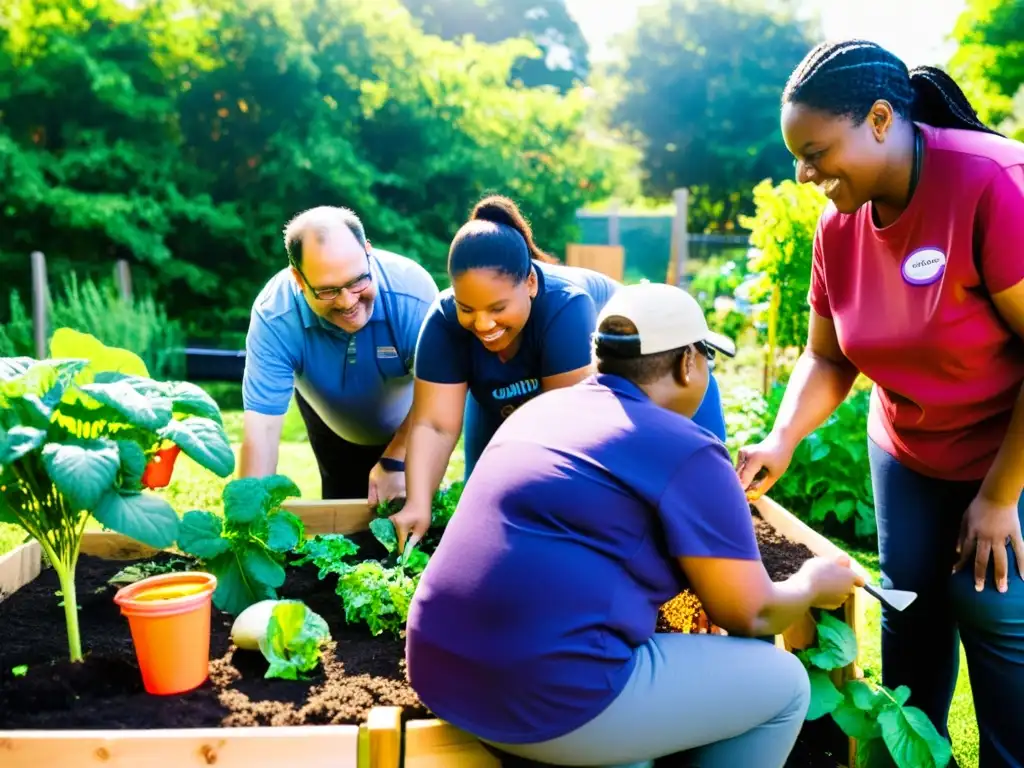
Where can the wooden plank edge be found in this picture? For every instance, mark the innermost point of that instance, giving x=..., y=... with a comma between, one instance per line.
x=433, y=743
x=331, y=515
x=384, y=727
x=312, y=746
x=19, y=567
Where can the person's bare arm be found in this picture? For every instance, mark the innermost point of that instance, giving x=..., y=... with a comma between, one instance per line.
x=821, y=380
x=739, y=596
x=260, y=443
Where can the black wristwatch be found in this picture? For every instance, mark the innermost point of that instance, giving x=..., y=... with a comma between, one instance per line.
x=391, y=465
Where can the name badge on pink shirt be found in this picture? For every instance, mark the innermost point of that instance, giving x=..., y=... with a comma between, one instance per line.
x=924, y=266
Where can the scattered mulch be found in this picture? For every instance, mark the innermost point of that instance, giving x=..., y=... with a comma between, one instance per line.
x=358, y=672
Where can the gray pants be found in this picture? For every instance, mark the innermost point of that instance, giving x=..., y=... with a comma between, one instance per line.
x=726, y=701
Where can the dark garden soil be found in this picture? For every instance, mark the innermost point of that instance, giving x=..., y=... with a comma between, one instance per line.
x=358, y=672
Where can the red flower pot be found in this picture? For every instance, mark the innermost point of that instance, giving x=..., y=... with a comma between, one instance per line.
x=159, y=469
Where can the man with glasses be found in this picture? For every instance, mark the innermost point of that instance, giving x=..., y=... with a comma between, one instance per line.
x=337, y=328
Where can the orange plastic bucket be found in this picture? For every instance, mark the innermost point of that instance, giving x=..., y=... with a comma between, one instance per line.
x=169, y=617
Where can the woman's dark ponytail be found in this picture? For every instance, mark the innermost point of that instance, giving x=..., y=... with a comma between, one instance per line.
x=498, y=209
x=940, y=102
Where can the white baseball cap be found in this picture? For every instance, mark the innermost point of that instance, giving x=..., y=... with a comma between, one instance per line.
x=665, y=317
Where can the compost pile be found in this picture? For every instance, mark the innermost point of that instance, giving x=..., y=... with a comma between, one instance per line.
x=782, y=558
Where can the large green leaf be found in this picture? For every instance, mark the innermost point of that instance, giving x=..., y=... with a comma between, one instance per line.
x=148, y=412
x=133, y=464
x=83, y=471
x=825, y=697
x=191, y=400
x=854, y=722
x=142, y=516
x=67, y=342
x=912, y=740
x=19, y=442
x=279, y=488
x=200, y=535
x=261, y=566
x=203, y=441
x=837, y=644
x=245, y=500
x=12, y=367
x=284, y=531
x=235, y=590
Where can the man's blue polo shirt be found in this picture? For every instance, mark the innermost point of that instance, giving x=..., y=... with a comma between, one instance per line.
x=360, y=384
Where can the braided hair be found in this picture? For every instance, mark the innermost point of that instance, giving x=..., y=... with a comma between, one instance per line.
x=846, y=78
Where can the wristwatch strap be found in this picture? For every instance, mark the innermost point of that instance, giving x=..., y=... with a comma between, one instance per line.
x=392, y=465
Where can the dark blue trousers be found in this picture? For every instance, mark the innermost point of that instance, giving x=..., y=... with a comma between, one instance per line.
x=918, y=524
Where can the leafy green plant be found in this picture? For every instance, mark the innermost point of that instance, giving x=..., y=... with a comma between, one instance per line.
x=782, y=233
x=245, y=549
x=76, y=431
x=378, y=592
x=294, y=641
x=888, y=732
x=828, y=483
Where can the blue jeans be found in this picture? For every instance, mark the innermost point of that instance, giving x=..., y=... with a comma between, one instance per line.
x=478, y=426
x=918, y=524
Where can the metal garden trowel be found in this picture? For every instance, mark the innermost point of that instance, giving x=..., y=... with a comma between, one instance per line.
x=897, y=599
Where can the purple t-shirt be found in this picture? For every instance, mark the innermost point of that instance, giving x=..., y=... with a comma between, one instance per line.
x=561, y=551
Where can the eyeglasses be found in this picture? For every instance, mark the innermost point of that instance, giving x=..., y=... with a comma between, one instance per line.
x=356, y=285
x=709, y=352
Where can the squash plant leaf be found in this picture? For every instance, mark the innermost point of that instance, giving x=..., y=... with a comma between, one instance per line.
x=203, y=441
x=912, y=740
x=837, y=644
x=137, y=409
x=142, y=516
x=245, y=550
x=133, y=464
x=284, y=531
x=865, y=696
x=187, y=399
x=245, y=500
x=235, y=590
x=854, y=722
x=825, y=697
x=83, y=471
x=200, y=535
x=18, y=442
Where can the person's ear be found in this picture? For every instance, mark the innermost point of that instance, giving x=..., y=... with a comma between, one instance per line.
x=531, y=283
x=298, y=278
x=880, y=118
x=686, y=366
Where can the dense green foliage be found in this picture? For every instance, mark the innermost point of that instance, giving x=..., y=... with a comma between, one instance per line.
x=782, y=230
x=888, y=732
x=183, y=141
x=989, y=62
x=702, y=80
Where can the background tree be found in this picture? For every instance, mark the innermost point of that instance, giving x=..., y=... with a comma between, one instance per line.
x=989, y=61
x=703, y=80
x=563, y=60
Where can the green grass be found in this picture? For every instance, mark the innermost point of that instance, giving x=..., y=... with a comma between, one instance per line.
x=195, y=488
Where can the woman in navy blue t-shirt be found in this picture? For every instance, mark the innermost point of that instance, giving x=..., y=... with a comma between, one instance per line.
x=514, y=323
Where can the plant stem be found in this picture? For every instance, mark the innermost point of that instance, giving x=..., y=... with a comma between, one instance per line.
x=66, y=576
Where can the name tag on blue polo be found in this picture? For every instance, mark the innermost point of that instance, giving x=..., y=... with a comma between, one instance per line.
x=387, y=353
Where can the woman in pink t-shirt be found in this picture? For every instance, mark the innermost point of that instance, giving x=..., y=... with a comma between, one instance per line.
x=918, y=283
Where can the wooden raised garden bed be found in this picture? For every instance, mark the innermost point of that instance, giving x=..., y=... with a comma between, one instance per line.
x=324, y=723
x=356, y=712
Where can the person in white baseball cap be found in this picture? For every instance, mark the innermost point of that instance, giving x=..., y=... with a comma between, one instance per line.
x=607, y=499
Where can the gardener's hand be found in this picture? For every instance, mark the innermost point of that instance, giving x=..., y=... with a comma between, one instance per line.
x=760, y=466
x=988, y=528
x=832, y=581
x=412, y=523
x=384, y=485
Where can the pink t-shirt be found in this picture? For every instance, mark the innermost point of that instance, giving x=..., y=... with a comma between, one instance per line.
x=912, y=310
